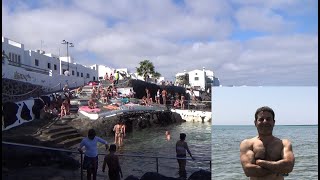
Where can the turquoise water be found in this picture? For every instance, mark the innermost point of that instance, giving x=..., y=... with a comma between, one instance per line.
x=152, y=142
x=226, y=156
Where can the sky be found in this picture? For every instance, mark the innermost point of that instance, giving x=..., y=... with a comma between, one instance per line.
x=293, y=105
x=244, y=42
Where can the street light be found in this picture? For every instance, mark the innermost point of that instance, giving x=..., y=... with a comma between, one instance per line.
x=69, y=44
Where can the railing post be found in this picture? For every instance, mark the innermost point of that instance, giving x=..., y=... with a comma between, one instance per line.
x=81, y=154
x=157, y=165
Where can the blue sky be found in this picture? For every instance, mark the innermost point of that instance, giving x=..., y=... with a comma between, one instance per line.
x=245, y=42
x=293, y=105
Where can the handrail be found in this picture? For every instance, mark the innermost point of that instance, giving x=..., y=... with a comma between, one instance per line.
x=125, y=155
x=28, y=67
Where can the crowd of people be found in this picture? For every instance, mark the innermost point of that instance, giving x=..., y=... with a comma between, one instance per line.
x=104, y=94
x=60, y=104
x=113, y=78
x=176, y=100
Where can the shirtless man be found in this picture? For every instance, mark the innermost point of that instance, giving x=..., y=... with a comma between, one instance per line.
x=91, y=103
x=164, y=96
x=122, y=132
x=117, y=133
x=265, y=156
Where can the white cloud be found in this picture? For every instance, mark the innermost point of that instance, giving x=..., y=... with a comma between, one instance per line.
x=261, y=20
x=175, y=38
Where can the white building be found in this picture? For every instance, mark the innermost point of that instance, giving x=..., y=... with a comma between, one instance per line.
x=102, y=70
x=52, y=65
x=45, y=63
x=200, y=79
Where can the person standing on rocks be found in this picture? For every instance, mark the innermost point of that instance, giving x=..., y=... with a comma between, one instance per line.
x=158, y=97
x=181, y=150
x=117, y=133
x=148, y=95
x=90, y=162
x=122, y=132
x=164, y=96
x=116, y=76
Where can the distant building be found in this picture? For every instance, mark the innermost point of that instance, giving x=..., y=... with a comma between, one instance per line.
x=200, y=79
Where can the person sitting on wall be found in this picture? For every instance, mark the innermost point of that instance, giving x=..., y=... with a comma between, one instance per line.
x=64, y=108
x=144, y=101
x=106, y=77
x=111, y=78
x=91, y=104
x=79, y=90
x=66, y=91
x=131, y=93
x=104, y=96
x=177, y=103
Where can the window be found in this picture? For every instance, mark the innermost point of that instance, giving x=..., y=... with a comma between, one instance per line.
x=19, y=60
x=72, y=72
x=36, y=62
x=55, y=67
x=77, y=74
x=10, y=58
x=88, y=75
x=49, y=66
x=94, y=68
x=196, y=78
x=196, y=73
x=15, y=58
x=94, y=78
x=81, y=74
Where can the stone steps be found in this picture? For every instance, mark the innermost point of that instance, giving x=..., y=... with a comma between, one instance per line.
x=62, y=138
x=69, y=143
x=55, y=128
x=62, y=135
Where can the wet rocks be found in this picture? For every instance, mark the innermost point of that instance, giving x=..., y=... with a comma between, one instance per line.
x=200, y=175
x=156, y=176
x=136, y=120
x=131, y=177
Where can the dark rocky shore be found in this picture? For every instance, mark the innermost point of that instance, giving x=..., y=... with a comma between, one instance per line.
x=133, y=120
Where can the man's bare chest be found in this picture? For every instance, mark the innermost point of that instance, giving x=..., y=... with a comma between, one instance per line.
x=271, y=151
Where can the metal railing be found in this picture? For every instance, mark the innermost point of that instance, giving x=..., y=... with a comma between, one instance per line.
x=103, y=154
x=29, y=68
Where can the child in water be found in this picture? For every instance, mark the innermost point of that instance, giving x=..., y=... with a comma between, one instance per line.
x=167, y=135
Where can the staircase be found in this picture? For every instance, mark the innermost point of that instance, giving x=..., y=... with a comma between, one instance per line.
x=61, y=134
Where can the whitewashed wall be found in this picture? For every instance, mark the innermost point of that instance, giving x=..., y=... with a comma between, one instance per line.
x=52, y=83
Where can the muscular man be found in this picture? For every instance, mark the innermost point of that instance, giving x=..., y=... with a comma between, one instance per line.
x=265, y=156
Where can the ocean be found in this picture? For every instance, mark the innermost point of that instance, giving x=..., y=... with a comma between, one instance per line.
x=226, y=154
x=152, y=142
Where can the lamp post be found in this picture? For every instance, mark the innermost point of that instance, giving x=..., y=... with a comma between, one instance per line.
x=69, y=44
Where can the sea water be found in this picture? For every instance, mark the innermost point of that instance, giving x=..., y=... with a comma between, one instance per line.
x=152, y=142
